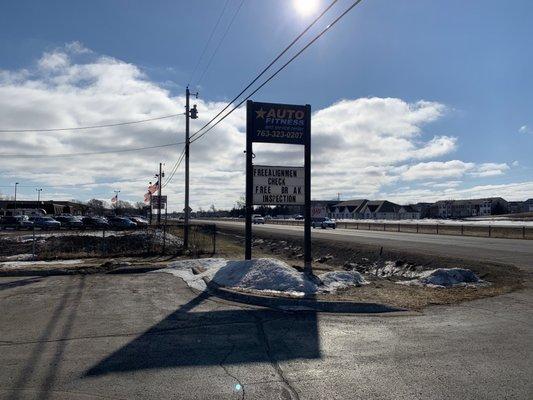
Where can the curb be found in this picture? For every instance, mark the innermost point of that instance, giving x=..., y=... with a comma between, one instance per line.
x=303, y=304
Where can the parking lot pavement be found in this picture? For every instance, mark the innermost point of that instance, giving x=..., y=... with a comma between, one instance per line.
x=149, y=336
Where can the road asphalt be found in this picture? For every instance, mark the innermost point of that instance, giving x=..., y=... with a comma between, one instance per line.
x=148, y=335
x=142, y=336
x=518, y=252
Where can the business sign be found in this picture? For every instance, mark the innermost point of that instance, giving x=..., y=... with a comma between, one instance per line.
x=272, y=185
x=280, y=123
x=155, y=201
x=318, y=211
x=278, y=185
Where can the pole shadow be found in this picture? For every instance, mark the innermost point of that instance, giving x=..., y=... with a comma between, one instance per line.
x=186, y=338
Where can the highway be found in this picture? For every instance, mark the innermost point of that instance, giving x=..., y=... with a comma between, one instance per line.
x=510, y=251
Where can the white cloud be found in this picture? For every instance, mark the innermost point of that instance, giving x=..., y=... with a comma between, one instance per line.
x=510, y=191
x=524, y=129
x=437, y=170
x=360, y=146
x=490, y=169
x=451, y=169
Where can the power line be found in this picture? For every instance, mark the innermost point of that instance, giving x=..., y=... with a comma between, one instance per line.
x=281, y=68
x=208, y=41
x=175, y=167
x=220, y=42
x=268, y=66
x=77, y=128
x=88, y=153
x=77, y=185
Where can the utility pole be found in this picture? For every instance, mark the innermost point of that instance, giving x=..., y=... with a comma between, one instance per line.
x=116, y=200
x=16, y=184
x=39, y=194
x=160, y=183
x=189, y=113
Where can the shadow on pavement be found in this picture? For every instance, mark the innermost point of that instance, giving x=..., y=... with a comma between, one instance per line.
x=18, y=283
x=187, y=338
x=69, y=299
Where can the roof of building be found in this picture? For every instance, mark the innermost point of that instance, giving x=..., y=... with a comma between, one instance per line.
x=351, y=205
x=409, y=208
x=383, y=206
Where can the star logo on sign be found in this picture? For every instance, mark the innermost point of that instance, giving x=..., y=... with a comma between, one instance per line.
x=261, y=113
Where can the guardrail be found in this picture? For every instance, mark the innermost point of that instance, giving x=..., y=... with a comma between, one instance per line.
x=490, y=231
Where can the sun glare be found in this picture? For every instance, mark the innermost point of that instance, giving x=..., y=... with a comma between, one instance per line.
x=305, y=7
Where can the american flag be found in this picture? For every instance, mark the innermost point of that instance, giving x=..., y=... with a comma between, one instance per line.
x=153, y=188
x=147, y=197
x=114, y=199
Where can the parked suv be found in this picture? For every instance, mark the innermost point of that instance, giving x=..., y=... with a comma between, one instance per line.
x=257, y=219
x=121, y=223
x=45, y=223
x=68, y=221
x=323, y=222
x=16, y=222
x=94, y=223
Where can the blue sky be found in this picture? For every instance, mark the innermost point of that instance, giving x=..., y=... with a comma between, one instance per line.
x=471, y=58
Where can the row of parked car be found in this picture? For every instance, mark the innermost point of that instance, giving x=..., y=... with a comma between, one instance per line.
x=71, y=222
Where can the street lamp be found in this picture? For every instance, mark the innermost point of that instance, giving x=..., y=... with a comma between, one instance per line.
x=39, y=194
x=16, y=184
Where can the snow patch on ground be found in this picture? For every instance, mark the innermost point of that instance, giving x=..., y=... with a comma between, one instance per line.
x=263, y=275
x=340, y=279
x=24, y=264
x=429, y=221
x=445, y=277
x=20, y=257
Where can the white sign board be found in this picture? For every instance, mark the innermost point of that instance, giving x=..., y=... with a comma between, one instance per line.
x=278, y=185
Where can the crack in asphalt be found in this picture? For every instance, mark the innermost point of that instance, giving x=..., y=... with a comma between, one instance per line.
x=289, y=392
x=226, y=370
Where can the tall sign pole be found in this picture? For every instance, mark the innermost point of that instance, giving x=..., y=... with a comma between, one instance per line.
x=307, y=209
x=249, y=181
x=278, y=185
x=160, y=177
x=187, y=144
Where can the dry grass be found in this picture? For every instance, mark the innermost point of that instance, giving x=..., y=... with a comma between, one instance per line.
x=502, y=278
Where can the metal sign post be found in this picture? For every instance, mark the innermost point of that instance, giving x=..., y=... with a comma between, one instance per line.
x=277, y=185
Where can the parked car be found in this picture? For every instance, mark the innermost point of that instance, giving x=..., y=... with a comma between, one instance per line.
x=94, y=223
x=16, y=222
x=257, y=219
x=323, y=222
x=45, y=223
x=121, y=223
x=140, y=221
x=298, y=217
x=68, y=221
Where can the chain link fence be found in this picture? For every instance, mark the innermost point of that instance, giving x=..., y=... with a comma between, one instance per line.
x=166, y=239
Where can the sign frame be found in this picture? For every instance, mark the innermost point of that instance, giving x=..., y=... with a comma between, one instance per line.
x=305, y=140
x=155, y=203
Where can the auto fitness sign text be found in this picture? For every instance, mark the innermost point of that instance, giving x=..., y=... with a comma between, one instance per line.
x=278, y=185
x=279, y=123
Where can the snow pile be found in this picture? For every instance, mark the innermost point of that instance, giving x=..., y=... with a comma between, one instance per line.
x=445, y=277
x=24, y=264
x=265, y=275
x=20, y=257
x=387, y=269
x=340, y=279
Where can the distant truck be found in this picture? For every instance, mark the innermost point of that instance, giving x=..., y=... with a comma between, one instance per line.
x=257, y=219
